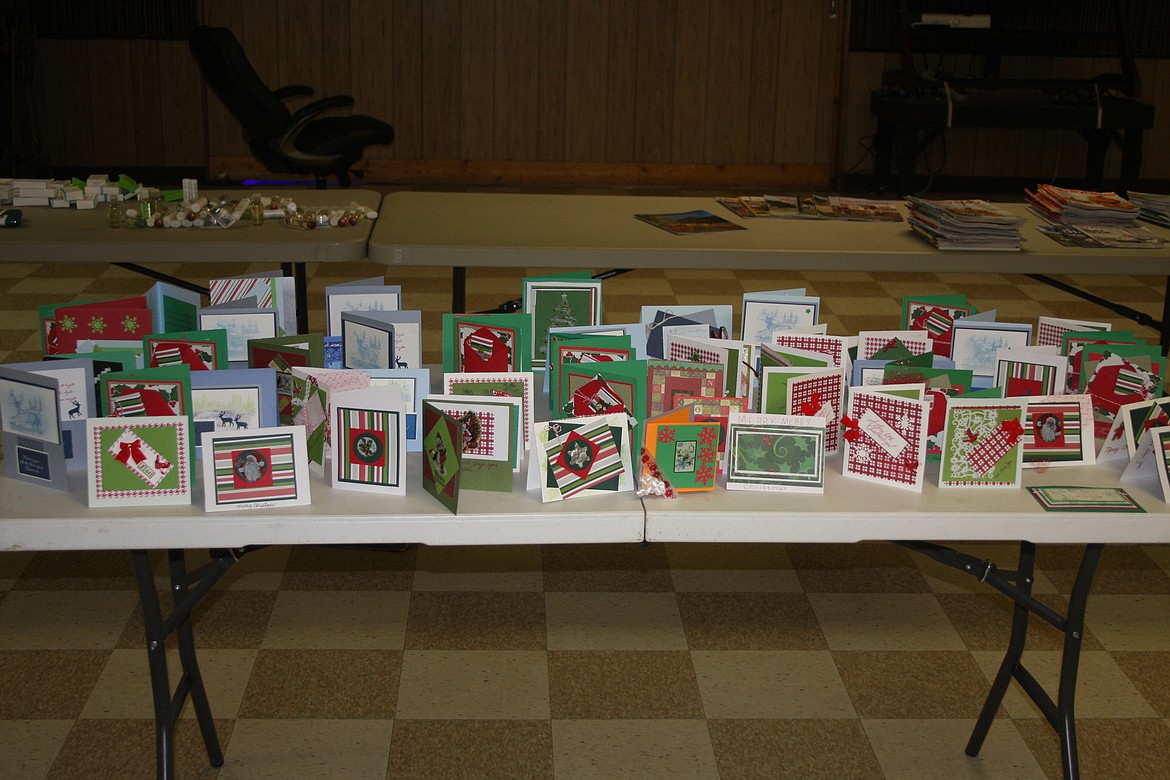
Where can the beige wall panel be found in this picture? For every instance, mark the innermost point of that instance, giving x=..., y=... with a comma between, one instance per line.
x=224, y=136
x=437, y=124
x=654, y=97
x=336, y=53
x=404, y=79
x=763, y=84
x=586, y=79
x=690, y=81
x=797, y=103
x=552, y=43
x=301, y=42
x=62, y=111
x=516, y=65
x=477, y=46
x=111, y=128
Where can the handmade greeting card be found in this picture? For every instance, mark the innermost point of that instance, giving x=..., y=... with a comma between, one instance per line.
x=282, y=354
x=562, y=300
x=1074, y=343
x=243, y=320
x=983, y=443
x=580, y=350
x=75, y=400
x=683, y=321
x=486, y=343
x=936, y=315
x=269, y=290
x=517, y=384
x=808, y=392
x=311, y=390
x=687, y=453
x=368, y=440
x=362, y=296
x=716, y=410
x=1030, y=371
x=738, y=359
x=173, y=308
x=1058, y=431
x=72, y=327
x=776, y=452
x=413, y=385
x=669, y=380
x=258, y=469
x=363, y=339
x=1050, y=330
x=239, y=399
x=442, y=456
x=1115, y=379
x=581, y=456
x=149, y=392
x=491, y=438
x=1130, y=424
x=975, y=343
x=30, y=426
x=143, y=461
x=201, y=350
x=834, y=348
x=872, y=343
x=766, y=313
x=885, y=438
x=940, y=384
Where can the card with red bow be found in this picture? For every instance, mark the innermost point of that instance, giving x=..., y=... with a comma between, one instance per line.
x=140, y=461
x=806, y=392
x=885, y=438
x=983, y=443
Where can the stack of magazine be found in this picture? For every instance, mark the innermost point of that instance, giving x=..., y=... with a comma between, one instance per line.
x=1081, y=207
x=965, y=224
x=812, y=207
x=1154, y=208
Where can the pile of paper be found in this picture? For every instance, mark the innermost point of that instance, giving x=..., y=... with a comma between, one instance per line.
x=1081, y=207
x=965, y=224
x=1154, y=208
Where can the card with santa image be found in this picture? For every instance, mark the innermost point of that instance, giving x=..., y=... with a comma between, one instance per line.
x=885, y=438
x=1058, y=431
x=202, y=350
x=806, y=392
x=255, y=469
x=581, y=456
x=143, y=461
x=983, y=443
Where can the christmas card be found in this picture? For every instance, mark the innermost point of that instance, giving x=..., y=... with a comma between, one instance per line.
x=1030, y=371
x=34, y=444
x=935, y=315
x=491, y=438
x=1050, y=330
x=244, y=320
x=577, y=457
x=766, y=313
x=76, y=400
x=361, y=296
x=442, y=456
x=563, y=300
x=368, y=440
x=202, y=350
x=738, y=359
x=816, y=392
x=687, y=452
x=1074, y=343
x=362, y=339
x=704, y=321
x=311, y=391
x=486, y=343
x=147, y=392
x=140, y=461
x=260, y=469
x=273, y=291
x=76, y=327
x=983, y=443
x=282, y=354
x=885, y=438
x=940, y=384
x=1130, y=424
x=580, y=350
x=413, y=385
x=776, y=452
x=1058, y=431
x=514, y=384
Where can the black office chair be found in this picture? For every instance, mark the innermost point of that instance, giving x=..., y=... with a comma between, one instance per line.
x=284, y=142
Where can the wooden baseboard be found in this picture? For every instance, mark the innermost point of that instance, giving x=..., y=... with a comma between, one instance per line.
x=733, y=178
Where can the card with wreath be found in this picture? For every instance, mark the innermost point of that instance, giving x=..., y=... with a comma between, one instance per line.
x=368, y=440
x=885, y=438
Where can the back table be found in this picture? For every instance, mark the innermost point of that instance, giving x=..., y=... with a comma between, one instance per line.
x=65, y=236
x=477, y=229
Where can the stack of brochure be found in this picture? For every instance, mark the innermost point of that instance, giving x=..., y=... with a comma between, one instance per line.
x=1081, y=207
x=965, y=224
x=1154, y=208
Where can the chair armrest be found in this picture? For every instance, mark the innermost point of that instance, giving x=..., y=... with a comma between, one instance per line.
x=304, y=113
x=292, y=90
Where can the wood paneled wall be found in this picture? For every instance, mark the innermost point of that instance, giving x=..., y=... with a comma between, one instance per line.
x=755, y=94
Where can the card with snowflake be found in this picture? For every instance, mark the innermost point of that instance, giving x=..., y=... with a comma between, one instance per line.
x=983, y=443
x=776, y=452
x=885, y=438
x=66, y=328
x=687, y=453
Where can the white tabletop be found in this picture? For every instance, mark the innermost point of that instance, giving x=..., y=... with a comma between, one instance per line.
x=582, y=231
x=35, y=518
x=51, y=235
x=853, y=510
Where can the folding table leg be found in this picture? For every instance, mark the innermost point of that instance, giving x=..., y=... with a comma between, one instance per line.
x=187, y=590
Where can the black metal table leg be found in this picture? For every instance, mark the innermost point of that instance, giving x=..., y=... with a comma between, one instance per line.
x=1017, y=585
x=187, y=590
x=458, y=289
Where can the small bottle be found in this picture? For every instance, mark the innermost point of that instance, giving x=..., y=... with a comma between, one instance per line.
x=114, y=215
x=257, y=211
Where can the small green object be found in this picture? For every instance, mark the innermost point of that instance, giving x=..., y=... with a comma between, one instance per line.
x=126, y=184
x=172, y=196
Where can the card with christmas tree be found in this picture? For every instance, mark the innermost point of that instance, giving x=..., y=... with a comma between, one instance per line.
x=559, y=301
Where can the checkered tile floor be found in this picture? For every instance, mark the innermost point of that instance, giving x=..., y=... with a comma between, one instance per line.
x=671, y=661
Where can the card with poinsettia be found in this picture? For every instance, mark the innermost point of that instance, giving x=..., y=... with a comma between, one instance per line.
x=983, y=443
x=581, y=456
x=687, y=453
x=368, y=440
x=885, y=438
x=202, y=350
x=776, y=452
x=141, y=461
